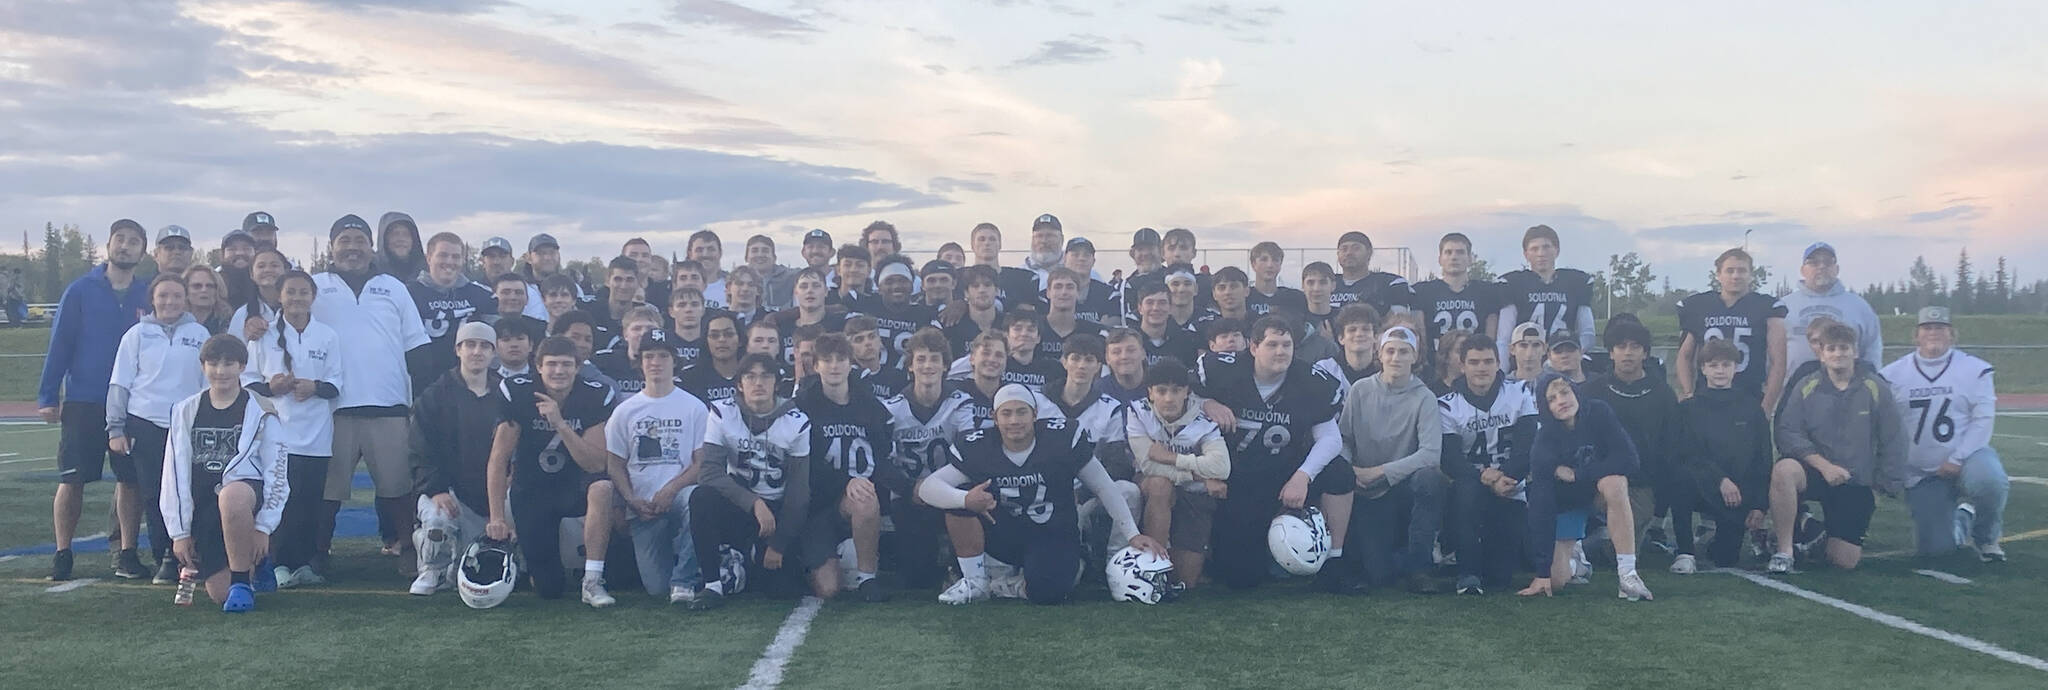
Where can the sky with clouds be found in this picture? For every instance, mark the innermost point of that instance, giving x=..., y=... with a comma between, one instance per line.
x=1889, y=128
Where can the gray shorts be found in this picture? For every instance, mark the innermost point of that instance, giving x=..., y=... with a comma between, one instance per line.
x=1194, y=519
x=381, y=443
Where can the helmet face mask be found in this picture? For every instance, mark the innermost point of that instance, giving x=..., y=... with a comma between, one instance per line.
x=1137, y=575
x=1299, y=540
x=489, y=569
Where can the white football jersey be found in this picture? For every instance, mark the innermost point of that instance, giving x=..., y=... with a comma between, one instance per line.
x=1949, y=407
x=1140, y=419
x=760, y=459
x=1486, y=433
x=924, y=445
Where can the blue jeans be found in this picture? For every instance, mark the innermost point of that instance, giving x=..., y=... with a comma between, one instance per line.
x=666, y=552
x=1391, y=536
x=1933, y=503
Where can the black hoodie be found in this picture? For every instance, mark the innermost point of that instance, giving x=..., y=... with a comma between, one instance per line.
x=405, y=268
x=1727, y=436
x=1649, y=411
x=862, y=430
x=452, y=430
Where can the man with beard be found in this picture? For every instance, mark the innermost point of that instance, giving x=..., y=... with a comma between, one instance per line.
x=237, y=258
x=544, y=260
x=445, y=299
x=386, y=339
x=1145, y=268
x=1385, y=291
x=494, y=260
x=708, y=251
x=262, y=227
x=95, y=311
x=894, y=314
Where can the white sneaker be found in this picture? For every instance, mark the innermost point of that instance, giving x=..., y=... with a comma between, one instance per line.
x=428, y=582
x=1632, y=588
x=967, y=590
x=1781, y=563
x=306, y=575
x=1991, y=553
x=680, y=594
x=1007, y=587
x=286, y=577
x=1684, y=564
x=594, y=594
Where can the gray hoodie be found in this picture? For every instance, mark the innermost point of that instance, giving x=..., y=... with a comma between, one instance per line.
x=1857, y=428
x=1394, y=428
x=1838, y=303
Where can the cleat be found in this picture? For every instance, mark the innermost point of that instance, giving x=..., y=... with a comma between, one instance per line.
x=1685, y=564
x=965, y=591
x=1632, y=588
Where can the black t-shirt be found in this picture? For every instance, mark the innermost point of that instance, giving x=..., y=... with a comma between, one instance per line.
x=1553, y=305
x=1052, y=344
x=1127, y=291
x=1039, y=493
x=540, y=462
x=703, y=380
x=1380, y=289
x=442, y=311
x=1272, y=433
x=856, y=439
x=1444, y=309
x=1746, y=323
x=624, y=370
x=1285, y=300
x=1032, y=375
x=216, y=440
x=1099, y=306
x=961, y=334
x=785, y=325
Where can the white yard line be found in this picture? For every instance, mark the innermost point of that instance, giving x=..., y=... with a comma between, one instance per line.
x=4, y=559
x=19, y=460
x=1944, y=577
x=1867, y=613
x=2031, y=480
x=767, y=672
x=68, y=586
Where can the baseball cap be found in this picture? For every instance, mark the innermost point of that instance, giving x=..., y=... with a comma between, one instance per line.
x=234, y=235
x=1561, y=340
x=498, y=243
x=1081, y=242
x=127, y=224
x=1145, y=237
x=818, y=235
x=349, y=222
x=1398, y=334
x=476, y=330
x=1527, y=331
x=936, y=266
x=1930, y=315
x=1014, y=392
x=658, y=339
x=259, y=221
x=173, y=232
x=1046, y=220
x=1355, y=236
x=1817, y=247
x=542, y=240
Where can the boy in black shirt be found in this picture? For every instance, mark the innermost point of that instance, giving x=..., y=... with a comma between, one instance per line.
x=548, y=461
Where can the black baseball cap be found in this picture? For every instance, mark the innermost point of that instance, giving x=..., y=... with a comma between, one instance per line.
x=1561, y=340
x=259, y=221
x=350, y=222
x=818, y=235
x=1145, y=237
x=936, y=266
x=1046, y=220
x=1355, y=236
x=542, y=240
x=128, y=224
x=237, y=235
x=658, y=339
x=1081, y=242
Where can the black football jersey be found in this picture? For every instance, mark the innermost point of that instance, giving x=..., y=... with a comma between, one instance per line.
x=961, y=335
x=785, y=325
x=1746, y=323
x=1099, y=306
x=885, y=382
x=1553, y=305
x=895, y=324
x=1271, y=433
x=1016, y=285
x=541, y=462
x=1179, y=342
x=1052, y=344
x=1380, y=289
x=1285, y=300
x=1038, y=493
x=847, y=441
x=1127, y=292
x=624, y=371
x=1032, y=375
x=703, y=380
x=1443, y=309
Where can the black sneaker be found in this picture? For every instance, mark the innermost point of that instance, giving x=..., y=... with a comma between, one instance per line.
x=1470, y=585
x=60, y=565
x=707, y=599
x=166, y=572
x=872, y=592
x=1338, y=577
x=128, y=566
x=1422, y=583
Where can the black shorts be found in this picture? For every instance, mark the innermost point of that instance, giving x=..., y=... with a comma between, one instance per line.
x=1846, y=509
x=82, y=448
x=1049, y=555
x=823, y=529
x=209, y=542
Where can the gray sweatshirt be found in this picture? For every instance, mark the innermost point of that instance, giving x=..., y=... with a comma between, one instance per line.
x=1857, y=428
x=1838, y=303
x=1395, y=428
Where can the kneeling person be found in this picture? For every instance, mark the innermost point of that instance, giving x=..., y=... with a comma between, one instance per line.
x=652, y=442
x=1841, y=441
x=224, y=480
x=1182, y=465
x=757, y=472
x=453, y=423
x=547, y=464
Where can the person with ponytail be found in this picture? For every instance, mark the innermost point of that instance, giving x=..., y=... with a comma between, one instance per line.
x=258, y=310
x=297, y=364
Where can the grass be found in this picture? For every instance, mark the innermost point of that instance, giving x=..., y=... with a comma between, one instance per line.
x=1706, y=631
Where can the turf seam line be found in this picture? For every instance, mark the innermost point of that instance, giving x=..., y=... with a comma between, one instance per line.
x=767, y=671
x=2007, y=539
x=1859, y=610
x=63, y=587
x=1950, y=578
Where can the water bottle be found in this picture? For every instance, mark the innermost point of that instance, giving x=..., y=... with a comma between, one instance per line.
x=188, y=580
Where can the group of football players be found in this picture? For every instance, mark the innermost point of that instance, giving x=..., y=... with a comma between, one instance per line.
x=981, y=430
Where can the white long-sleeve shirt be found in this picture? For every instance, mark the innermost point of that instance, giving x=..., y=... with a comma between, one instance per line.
x=941, y=489
x=155, y=366
x=1948, y=407
x=315, y=356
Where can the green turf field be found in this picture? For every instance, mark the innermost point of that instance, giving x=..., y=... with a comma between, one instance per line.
x=1706, y=630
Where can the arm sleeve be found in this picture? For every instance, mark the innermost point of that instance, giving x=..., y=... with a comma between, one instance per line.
x=1428, y=445
x=277, y=486
x=1976, y=432
x=941, y=489
x=1097, y=480
x=1793, y=441
x=419, y=365
x=1518, y=463
x=118, y=384
x=1329, y=443
x=1585, y=328
x=717, y=476
x=428, y=479
x=1891, y=443
x=325, y=390
x=1138, y=443
x=63, y=346
x=1453, y=461
x=1212, y=463
x=1505, y=329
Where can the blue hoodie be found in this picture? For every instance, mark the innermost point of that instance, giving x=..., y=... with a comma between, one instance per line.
x=1595, y=446
x=91, y=317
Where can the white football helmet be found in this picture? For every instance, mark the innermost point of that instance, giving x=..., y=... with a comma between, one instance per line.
x=1137, y=575
x=488, y=570
x=1299, y=540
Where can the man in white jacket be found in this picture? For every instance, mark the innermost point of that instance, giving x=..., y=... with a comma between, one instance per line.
x=224, y=482
x=1182, y=463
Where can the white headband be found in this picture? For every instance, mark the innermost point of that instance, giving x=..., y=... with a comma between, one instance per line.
x=894, y=269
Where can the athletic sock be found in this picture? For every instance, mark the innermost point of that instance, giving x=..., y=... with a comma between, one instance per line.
x=971, y=568
x=1625, y=563
x=239, y=577
x=593, y=568
x=859, y=578
x=1337, y=552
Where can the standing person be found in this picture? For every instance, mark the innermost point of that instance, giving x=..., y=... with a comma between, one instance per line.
x=173, y=253
x=1392, y=434
x=1183, y=467
x=895, y=315
x=206, y=299
x=1062, y=299
x=1581, y=459
x=1840, y=440
x=1284, y=452
x=809, y=310
x=653, y=278
x=1649, y=412
x=928, y=418
x=1555, y=299
x=1727, y=471
x=517, y=336
x=776, y=279
x=1357, y=330
x=1177, y=250
x=742, y=294
x=1226, y=299
x=621, y=291
x=937, y=286
x=156, y=366
x=880, y=239
x=852, y=279
x=1489, y=423
x=1387, y=292
x=705, y=248
x=252, y=319
x=17, y=306
x=653, y=440
x=686, y=315
x=494, y=260
x=1453, y=302
x=715, y=375
x=1186, y=293
x=1953, y=476
x=1318, y=338
x=1527, y=352
x=1096, y=301
x=547, y=464
x=386, y=340
x=978, y=289
x=1267, y=294
x=1019, y=506
x=297, y=364
x=94, y=313
x=1821, y=293
x=1162, y=337
x=817, y=250
x=225, y=481
x=1752, y=321
x=884, y=380
x=852, y=438
x=756, y=470
x=261, y=227
x=445, y=299
x=621, y=362
x=237, y=256
x=508, y=298
x=1124, y=363
x=399, y=253
x=544, y=261
x=1145, y=268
